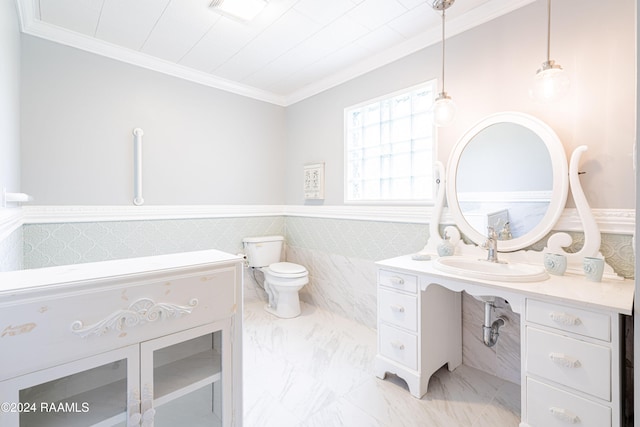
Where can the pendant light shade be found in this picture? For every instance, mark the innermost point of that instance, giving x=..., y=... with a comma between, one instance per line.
x=550, y=81
x=444, y=109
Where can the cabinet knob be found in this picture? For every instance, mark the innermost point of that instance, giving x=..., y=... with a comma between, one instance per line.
x=564, y=360
x=397, y=280
x=564, y=415
x=397, y=345
x=397, y=308
x=564, y=318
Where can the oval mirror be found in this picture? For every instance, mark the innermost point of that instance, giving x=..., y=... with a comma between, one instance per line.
x=510, y=172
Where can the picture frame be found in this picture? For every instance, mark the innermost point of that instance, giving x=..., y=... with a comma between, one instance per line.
x=314, y=181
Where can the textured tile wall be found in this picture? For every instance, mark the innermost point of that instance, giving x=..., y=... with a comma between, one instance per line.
x=48, y=245
x=339, y=254
x=11, y=252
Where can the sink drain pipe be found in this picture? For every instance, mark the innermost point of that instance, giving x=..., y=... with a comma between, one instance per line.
x=490, y=330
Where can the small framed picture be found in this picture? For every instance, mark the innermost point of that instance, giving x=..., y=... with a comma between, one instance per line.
x=314, y=181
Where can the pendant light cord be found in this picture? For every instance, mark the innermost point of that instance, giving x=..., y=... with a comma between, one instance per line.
x=548, y=30
x=443, y=21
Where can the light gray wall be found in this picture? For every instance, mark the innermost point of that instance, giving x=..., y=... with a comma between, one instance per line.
x=9, y=97
x=489, y=69
x=200, y=146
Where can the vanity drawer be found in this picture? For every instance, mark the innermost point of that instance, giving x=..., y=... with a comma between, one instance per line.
x=548, y=406
x=398, y=309
x=399, y=281
x=574, y=363
x=570, y=319
x=398, y=345
x=40, y=333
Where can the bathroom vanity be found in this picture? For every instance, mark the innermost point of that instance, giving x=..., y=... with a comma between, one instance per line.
x=135, y=342
x=570, y=328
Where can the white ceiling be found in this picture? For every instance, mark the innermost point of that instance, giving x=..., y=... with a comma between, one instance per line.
x=292, y=50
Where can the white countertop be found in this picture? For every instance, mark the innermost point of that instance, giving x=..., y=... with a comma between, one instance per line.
x=19, y=281
x=612, y=295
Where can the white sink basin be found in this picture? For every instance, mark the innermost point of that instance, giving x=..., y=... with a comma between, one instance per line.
x=481, y=269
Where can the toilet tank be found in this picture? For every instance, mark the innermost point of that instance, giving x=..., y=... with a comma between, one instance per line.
x=262, y=251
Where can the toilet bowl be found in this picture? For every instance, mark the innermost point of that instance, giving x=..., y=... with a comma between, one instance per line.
x=282, y=280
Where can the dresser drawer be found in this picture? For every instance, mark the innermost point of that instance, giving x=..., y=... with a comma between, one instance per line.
x=398, y=309
x=548, y=406
x=41, y=333
x=570, y=319
x=574, y=363
x=398, y=345
x=399, y=281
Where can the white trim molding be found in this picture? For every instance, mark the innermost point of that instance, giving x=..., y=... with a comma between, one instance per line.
x=610, y=221
x=10, y=220
x=61, y=214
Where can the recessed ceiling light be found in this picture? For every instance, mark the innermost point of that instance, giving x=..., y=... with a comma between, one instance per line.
x=244, y=10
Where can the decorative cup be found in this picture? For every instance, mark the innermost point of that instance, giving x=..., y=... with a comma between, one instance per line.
x=555, y=263
x=593, y=268
x=446, y=248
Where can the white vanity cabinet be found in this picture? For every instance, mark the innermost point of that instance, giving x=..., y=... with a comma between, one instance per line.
x=142, y=342
x=570, y=337
x=407, y=345
x=571, y=366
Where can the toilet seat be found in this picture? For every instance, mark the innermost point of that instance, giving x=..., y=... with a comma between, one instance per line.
x=287, y=270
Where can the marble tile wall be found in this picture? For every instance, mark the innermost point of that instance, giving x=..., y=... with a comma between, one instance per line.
x=340, y=256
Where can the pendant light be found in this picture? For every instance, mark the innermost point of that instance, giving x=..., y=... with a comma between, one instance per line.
x=551, y=81
x=444, y=109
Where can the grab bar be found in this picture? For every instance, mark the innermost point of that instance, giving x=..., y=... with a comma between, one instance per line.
x=137, y=167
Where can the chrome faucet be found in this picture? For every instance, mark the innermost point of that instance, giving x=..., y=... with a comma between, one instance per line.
x=491, y=245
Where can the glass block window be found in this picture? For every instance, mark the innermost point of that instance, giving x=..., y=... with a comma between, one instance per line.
x=389, y=147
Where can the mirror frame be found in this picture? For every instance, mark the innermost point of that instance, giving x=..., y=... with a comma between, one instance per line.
x=560, y=180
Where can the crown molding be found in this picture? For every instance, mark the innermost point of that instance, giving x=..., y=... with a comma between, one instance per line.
x=467, y=21
x=35, y=27
x=31, y=24
x=610, y=221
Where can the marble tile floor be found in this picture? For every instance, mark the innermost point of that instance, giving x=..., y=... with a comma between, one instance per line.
x=317, y=370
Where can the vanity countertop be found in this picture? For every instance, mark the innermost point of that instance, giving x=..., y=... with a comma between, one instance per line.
x=24, y=281
x=612, y=295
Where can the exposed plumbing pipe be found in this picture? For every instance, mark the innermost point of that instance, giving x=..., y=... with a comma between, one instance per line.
x=490, y=330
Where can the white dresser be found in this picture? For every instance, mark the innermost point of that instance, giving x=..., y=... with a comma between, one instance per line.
x=135, y=342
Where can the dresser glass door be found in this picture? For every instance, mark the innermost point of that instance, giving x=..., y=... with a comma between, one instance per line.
x=187, y=377
x=89, y=392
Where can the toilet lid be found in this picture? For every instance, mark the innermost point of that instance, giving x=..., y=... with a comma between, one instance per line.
x=287, y=268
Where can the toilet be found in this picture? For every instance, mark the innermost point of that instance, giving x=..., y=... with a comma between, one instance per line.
x=282, y=280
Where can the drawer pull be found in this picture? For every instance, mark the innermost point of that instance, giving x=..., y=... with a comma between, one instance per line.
x=395, y=280
x=564, y=415
x=397, y=308
x=397, y=345
x=564, y=360
x=144, y=310
x=564, y=318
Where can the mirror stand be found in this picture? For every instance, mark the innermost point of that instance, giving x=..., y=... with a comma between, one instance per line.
x=592, y=239
x=557, y=243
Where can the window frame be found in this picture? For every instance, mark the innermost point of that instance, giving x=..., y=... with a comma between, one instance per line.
x=429, y=84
